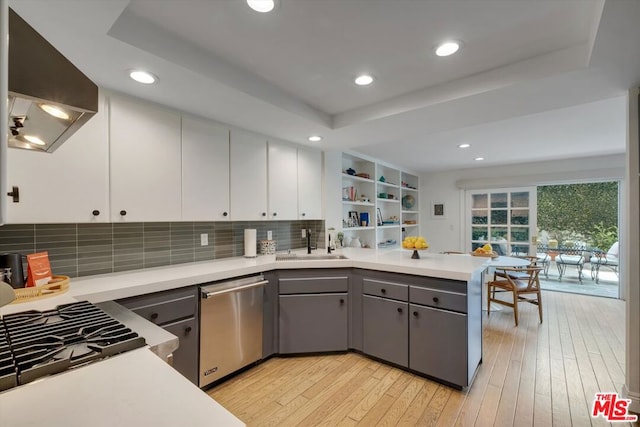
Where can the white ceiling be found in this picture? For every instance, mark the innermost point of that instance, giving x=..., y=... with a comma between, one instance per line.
x=535, y=80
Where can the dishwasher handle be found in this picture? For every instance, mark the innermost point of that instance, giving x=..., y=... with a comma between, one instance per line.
x=207, y=295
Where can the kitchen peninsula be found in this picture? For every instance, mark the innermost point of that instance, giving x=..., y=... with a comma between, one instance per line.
x=126, y=376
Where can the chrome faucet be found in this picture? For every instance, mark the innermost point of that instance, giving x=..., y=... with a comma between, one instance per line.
x=308, y=240
x=329, y=245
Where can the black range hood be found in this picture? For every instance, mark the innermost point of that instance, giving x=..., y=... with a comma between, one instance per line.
x=49, y=98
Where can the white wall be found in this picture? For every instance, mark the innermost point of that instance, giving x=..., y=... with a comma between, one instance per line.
x=449, y=187
x=630, y=274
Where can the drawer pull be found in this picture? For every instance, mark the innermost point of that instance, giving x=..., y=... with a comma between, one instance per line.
x=123, y=212
x=399, y=309
x=95, y=212
x=436, y=300
x=187, y=330
x=154, y=316
x=383, y=290
x=341, y=301
x=415, y=314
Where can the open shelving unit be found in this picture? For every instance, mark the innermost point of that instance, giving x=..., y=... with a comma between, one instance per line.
x=410, y=215
x=383, y=196
x=358, y=196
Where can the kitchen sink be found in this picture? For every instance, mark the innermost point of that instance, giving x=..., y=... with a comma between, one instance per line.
x=306, y=257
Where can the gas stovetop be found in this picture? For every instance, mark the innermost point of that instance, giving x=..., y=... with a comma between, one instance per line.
x=34, y=344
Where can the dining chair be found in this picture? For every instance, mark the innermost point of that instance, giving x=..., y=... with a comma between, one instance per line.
x=527, y=283
x=571, y=256
x=610, y=259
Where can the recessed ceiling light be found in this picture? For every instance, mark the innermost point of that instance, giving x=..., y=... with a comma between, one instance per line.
x=447, y=48
x=364, y=80
x=262, y=6
x=478, y=159
x=34, y=140
x=55, y=111
x=315, y=138
x=143, y=77
x=464, y=145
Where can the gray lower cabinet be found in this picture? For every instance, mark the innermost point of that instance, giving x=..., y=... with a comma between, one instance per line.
x=432, y=326
x=438, y=344
x=270, y=315
x=313, y=323
x=186, y=357
x=313, y=310
x=176, y=311
x=385, y=329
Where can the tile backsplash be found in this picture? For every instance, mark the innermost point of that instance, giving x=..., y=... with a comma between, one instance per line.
x=87, y=249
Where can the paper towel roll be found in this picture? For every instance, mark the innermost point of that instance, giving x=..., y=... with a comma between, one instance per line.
x=250, y=243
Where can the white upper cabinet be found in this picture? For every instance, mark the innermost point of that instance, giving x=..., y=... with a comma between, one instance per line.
x=248, y=176
x=145, y=162
x=67, y=186
x=205, y=171
x=283, y=182
x=309, y=184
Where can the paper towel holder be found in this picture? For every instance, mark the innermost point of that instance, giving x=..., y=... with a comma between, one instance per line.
x=250, y=243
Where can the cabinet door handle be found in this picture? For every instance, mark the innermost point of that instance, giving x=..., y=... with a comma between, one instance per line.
x=341, y=301
x=383, y=290
x=225, y=213
x=264, y=214
x=187, y=330
x=399, y=309
x=95, y=212
x=123, y=212
x=415, y=314
x=275, y=213
x=304, y=214
x=154, y=316
x=435, y=299
x=14, y=194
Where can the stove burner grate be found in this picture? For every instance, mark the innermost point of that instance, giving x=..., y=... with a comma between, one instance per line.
x=34, y=344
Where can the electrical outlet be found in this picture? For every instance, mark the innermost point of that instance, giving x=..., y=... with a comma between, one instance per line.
x=204, y=239
x=304, y=233
x=269, y=235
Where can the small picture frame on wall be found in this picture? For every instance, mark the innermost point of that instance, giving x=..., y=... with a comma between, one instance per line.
x=438, y=210
x=354, y=219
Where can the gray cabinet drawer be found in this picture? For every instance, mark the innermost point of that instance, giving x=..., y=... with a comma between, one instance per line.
x=381, y=288
x=313, y=285
x=438, y=299
x=164, y=307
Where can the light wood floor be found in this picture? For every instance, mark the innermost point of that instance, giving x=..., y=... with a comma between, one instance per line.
x=533, y=375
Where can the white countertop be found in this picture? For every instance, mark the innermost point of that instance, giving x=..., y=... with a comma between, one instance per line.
x=135, y=388
x=113, y=286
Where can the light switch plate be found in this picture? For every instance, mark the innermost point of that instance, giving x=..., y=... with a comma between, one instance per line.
x=304, y=233
x=269, y=235
x=204, y=239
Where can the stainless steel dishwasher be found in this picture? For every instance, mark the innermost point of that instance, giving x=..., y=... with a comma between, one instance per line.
x=230, y=326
